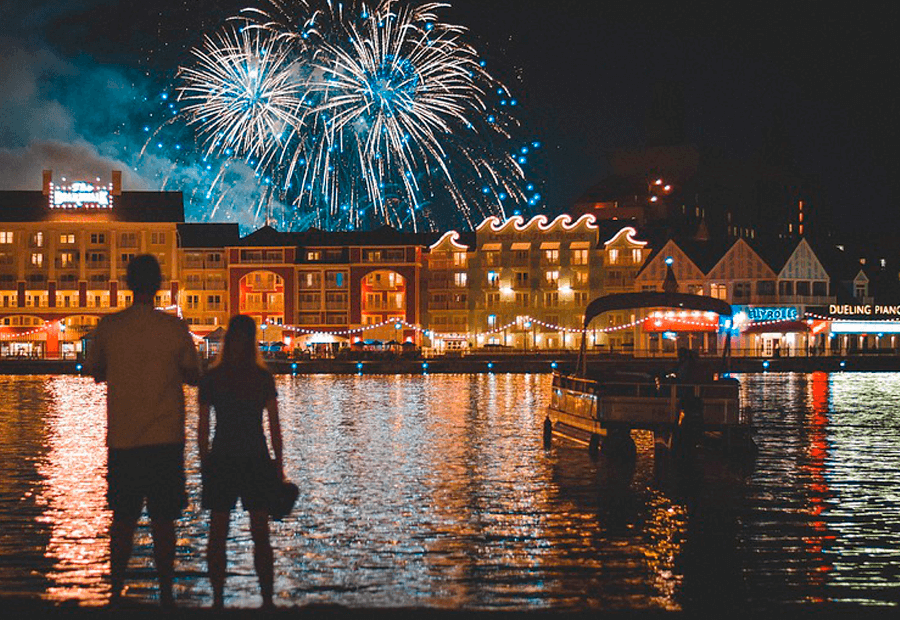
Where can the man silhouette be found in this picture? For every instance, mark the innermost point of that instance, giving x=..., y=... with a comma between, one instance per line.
x=145, y=356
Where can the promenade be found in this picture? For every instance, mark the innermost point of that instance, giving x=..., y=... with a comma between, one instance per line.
x=509, y=362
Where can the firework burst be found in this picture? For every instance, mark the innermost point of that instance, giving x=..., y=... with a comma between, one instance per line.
x=243, y=95
x=360, y=115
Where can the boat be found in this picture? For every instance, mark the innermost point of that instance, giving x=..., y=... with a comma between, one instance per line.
x=599, y=407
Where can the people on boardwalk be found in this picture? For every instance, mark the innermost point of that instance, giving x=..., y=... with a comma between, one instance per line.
x=238, y=465
x=145, y=356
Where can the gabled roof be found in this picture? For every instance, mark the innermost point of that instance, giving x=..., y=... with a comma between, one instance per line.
x=269, y=237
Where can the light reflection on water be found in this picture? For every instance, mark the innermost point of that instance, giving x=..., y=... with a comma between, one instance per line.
x=434, y=491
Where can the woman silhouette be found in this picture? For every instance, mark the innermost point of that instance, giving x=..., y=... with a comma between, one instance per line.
x=238, y=387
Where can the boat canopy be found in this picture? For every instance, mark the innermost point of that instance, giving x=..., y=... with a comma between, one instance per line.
x=655, y=299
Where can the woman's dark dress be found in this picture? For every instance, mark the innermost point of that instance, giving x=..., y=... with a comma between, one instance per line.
x=238, y=464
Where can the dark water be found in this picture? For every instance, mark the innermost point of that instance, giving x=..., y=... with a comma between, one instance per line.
x=435, y=491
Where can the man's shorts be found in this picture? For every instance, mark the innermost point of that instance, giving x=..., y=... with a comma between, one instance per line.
x=151, y=473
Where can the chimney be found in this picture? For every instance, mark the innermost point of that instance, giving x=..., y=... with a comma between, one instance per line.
x=48, y=178
x=116, y=182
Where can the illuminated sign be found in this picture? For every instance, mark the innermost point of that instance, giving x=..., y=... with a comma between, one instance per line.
x=768, y=313
x=80, y=195
x=863, y=309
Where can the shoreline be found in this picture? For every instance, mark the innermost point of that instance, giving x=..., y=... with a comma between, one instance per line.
x=508, y=363
x=43, y=608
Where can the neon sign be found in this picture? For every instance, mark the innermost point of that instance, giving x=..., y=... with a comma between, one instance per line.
x=80, y=195
x=771, y=313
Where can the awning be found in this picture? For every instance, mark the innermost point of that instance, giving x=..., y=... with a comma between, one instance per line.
x=776, y=327
x=216, y=334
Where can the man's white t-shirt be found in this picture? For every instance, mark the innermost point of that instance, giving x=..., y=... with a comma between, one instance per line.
x=145, y=356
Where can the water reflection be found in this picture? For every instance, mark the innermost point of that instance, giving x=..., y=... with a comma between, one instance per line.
x=435, y=491
x=74, y=488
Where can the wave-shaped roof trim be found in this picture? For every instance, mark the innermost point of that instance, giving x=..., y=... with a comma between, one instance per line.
x=541, y=222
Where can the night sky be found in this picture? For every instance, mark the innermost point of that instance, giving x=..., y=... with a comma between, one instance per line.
x=75, y=76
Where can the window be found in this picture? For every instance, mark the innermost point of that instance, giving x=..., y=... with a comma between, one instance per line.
x=66, y=259
x=819, y=289
x=552, y=278
x=785, y=287
x=67, y=239
x=37, y=259
x=98, y=238
x=860, y=289
x=521, y=257
x=193, y=302
x=718, y=291
x=459, y=279
x=581, y=299
x=523, y=300
x=493, y=279
x=308, y=279
x=213, y=302
x=765, y=287
x=6, y=236
x=492, y=300
x=551, y=300
x=459, y=259
x=636, y=256
x=313, y=255
x=579, y=257
x=157, y=238
x=803, y=288
x=614, y=257
x=580, y=278
x=741, y=290
x=492, y=259
x=128, y=240
x=551, y=257
x=521, y=278
x=37, y=240
x=334, y=279
x=492, y=320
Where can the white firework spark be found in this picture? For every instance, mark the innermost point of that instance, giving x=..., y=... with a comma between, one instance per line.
x=243, y=94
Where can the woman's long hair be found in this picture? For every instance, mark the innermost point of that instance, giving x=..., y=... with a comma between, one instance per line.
x=239, y=348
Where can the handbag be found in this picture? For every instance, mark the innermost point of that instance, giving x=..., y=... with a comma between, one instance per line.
x=283, y=495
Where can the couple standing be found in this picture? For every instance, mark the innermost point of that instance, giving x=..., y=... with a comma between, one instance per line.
x=145, y=356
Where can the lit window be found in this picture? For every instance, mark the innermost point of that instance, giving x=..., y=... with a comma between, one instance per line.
x=614, y=257
x=579, y=257
x=459, y=279
x=37, y=259
x=6, y=236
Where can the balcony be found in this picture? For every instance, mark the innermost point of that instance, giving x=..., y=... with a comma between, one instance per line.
x=381, y=306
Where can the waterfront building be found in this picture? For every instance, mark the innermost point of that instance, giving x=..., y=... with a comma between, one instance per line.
x=450, y=280
x=330, y=289
x=530, y=281
x=622, y=255
x=63, y=254
x=688, y=262
x=202, y=254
